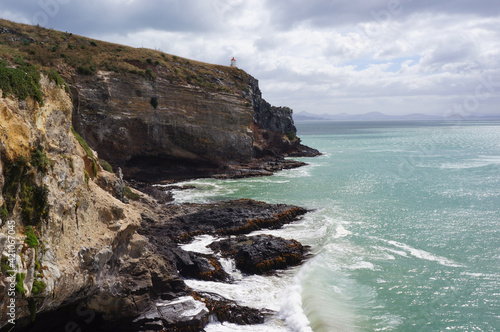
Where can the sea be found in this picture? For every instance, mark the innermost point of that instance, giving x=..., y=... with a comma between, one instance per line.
x=404, y=230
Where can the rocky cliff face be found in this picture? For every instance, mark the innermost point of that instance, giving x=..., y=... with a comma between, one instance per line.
x=155, y=127
x=60, y=229
x=156, y=115
x=190, y=129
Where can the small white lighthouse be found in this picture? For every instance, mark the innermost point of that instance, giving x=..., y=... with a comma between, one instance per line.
x=233, y=63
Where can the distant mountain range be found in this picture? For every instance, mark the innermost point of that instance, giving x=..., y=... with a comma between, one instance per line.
x=377, y=116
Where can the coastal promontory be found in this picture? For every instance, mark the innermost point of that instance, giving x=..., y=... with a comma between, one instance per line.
x=85, y=127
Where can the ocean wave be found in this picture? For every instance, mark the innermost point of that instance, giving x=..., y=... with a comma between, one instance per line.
x=205, y=191
x=291, y=309
x=482, y=161
x=422, y=254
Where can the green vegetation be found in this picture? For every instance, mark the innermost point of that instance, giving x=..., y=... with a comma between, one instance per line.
x=291, y=136
x=12, y=174
x=83, y=143
x=40, y=161
x=150, y=74
x=20, y=184
x=22, y=81
x=4, y=213
x=86, y=70
x=56, y=78
x=87, y=177
x=6, y=266
x=47, y=48
x=20, y=283
x=131, y=195
x=38, y=286
x=87, y=149
x=105, y=165
x=34, y=203
x=31, y=239
x=32, y=306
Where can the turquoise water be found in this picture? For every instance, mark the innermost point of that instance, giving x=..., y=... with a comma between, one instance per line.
x=405, y=231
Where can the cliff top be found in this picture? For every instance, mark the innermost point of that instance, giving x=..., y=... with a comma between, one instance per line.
x=71, y=54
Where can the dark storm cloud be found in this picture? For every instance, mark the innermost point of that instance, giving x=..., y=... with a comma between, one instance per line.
x=121, y=17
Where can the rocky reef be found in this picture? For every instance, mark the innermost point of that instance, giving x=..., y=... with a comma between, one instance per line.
x=81, y=248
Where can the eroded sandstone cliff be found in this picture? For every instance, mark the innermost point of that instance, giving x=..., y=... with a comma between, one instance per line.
x=156, y=128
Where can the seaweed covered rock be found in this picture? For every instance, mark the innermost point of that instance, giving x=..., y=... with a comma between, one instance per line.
x=262, y=253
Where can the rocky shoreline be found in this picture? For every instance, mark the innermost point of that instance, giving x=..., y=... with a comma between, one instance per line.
x=149, y=291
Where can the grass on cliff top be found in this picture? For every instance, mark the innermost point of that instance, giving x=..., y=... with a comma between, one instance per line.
x=76, y=55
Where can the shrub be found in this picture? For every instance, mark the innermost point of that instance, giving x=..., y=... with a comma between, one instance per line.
x=291, y=135
x=34, y=203
x=38, y=286
x=31, y=239
x=150, y=74
x=40, y=161
x=86, y=70
x=20, y=283
x=4, y=213
x=130, y=194
x=55, y=77
x=13, y=173
x=107, y=166
x=6, y=268
x=21, y=82
x=93, y=43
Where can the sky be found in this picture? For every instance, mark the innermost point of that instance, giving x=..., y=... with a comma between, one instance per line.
x=439, y=57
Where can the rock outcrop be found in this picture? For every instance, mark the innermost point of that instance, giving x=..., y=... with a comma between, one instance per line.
x=262, y=253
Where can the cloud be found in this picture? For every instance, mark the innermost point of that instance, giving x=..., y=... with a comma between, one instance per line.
x=318, y=55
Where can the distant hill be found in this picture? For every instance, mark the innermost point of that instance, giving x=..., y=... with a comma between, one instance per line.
x=377, y=116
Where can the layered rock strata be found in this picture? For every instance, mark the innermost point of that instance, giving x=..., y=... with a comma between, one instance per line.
x=192, y=132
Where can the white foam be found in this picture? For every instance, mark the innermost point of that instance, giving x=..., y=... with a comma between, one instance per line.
x=422, y=254
x=362, y=265
x=482, y=161
x=340, y=231
x=272, y=326
x=205, y=191
x=251, y=291
x=291, y=309
x=200, y=244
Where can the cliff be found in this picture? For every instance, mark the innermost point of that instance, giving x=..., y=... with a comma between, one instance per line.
x=157, y=126
x=157, y=115
x=74, y=249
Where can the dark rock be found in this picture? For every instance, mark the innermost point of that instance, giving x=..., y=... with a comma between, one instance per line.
x=228, y=311
x=262, y=253
x=199, y=266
